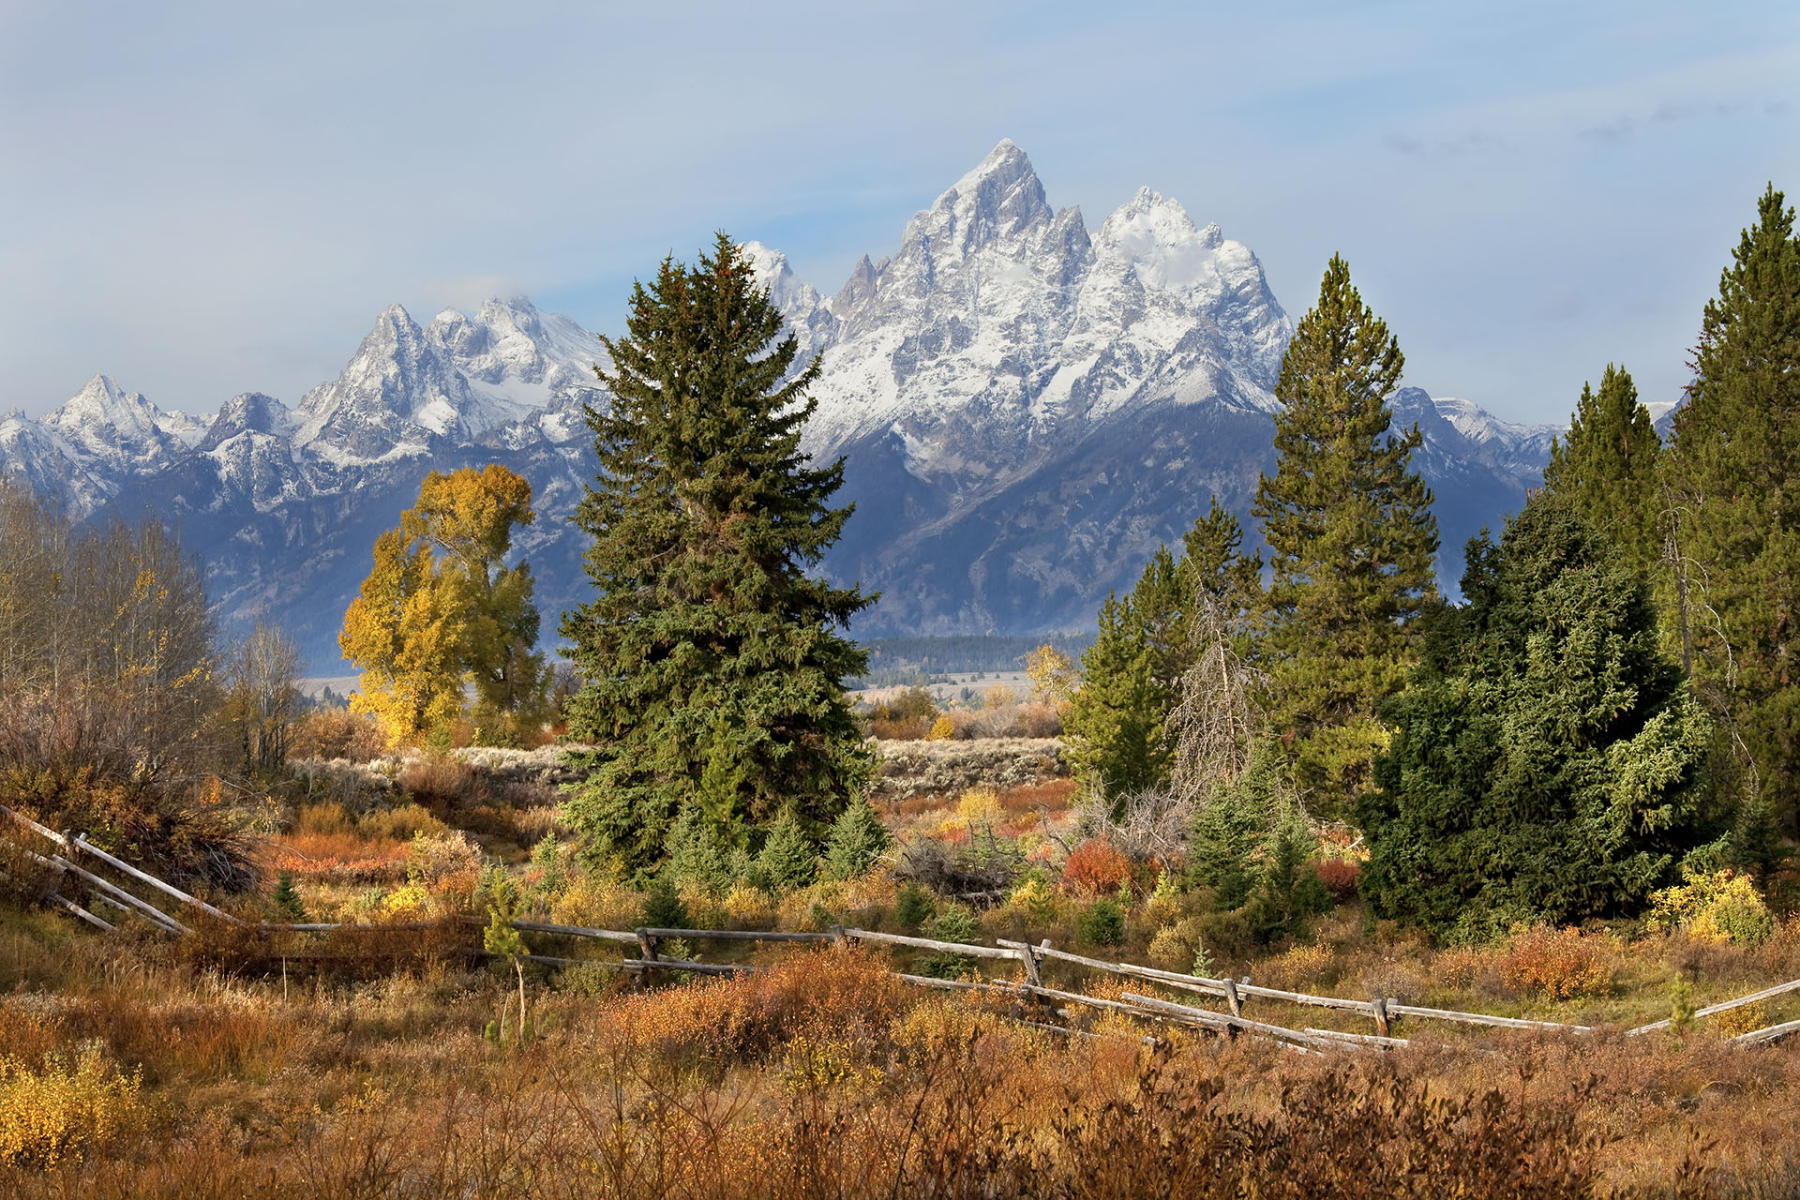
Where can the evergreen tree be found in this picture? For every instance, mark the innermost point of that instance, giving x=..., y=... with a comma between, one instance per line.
x=1606, y=469
x=788, y=860
x=1115, y=722
x=707, y=638
x=699, y=851
x=1162, y=604
x=1218, y=576
x=1547, y=759
x=857, y=839
x=1351, y=536
x=1733, y=471
x=1231, y=825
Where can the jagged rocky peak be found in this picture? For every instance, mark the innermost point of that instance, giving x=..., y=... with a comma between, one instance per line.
x=1002, y=199
x=806, y=313
x=105, y=423
x=248, y=412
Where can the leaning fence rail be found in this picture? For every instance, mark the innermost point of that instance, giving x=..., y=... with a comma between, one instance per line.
x=1384, y=1011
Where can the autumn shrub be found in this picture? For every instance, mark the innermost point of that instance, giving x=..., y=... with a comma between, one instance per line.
x=1339, y=875
x=1557, y=964
x=63, y=1110
x=1178, y=947
x=1302, y=968
x=1096, y=867
x=943, y=729
x=190, y=836
x=830, y=992
x=401, y=822
x=1720, y=906
x=1465, y=967
x=595, y=902
x=1040, y=721
x=439, y=781
x=331, y=733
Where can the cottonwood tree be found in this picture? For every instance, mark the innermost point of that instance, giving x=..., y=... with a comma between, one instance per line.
x=709, y=638
x=260, y=675
x=1350, y=533
x=440, y=611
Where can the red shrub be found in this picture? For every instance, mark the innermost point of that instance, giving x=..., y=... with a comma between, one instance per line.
x=1339, y=875
x=1097, y=867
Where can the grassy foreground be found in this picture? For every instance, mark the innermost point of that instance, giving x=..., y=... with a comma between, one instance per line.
x=131, y=1071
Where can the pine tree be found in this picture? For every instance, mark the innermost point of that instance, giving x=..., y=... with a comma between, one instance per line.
x=1351, y=537
x=1547, y=760
x=788, y=860
x=1733, y=471
x=1606, y=469
x=1219, y=578
x=1115, y=722
x=699, y=850
x=858, y=839
x=706, y=634
x=1161, y=604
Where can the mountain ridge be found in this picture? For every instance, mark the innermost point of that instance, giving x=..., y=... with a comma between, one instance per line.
x=1026, y=410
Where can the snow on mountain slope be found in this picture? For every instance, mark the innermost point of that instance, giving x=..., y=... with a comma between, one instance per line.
x=1026, y=409
x=1001, y=329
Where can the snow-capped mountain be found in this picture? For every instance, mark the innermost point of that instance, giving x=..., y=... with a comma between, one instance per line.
x=1026, y=410
x=84, y=451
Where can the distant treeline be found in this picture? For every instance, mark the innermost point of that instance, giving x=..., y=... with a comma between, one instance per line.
x=903, y=660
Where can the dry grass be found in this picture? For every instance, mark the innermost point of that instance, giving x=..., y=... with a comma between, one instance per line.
x=823, y=1077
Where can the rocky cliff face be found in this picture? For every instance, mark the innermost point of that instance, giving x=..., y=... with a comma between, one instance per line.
x=1026, y=409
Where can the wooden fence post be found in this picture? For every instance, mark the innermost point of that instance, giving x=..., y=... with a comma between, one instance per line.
x=646, y=949
x=1232, y=999
x=1030, y=962
x=1378, y=1008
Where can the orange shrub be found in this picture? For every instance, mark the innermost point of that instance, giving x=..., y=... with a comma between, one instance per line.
x=1096, y=867
x=1558, y=964
x=832, y=992
x=1339, y=875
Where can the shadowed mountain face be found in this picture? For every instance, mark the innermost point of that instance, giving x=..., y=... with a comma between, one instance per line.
x=1026, y=410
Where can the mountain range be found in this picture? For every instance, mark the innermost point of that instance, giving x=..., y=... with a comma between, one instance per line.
x=1026, y=408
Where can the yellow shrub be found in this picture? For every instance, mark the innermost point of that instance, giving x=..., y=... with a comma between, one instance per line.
x=57, y=1114
x=980, y=806
x=409, y=901
x=598, y=904
x=1036, y=901
x=1720, y=907
x=1178, y=946
x=1734, y=1021
x=1301, y=967
x=748, y=908
x=942, y=730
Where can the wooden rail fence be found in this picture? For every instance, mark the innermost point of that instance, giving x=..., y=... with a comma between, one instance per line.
x=1383, y=1011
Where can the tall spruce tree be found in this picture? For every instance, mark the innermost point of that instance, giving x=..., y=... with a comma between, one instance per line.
x=1116, y=719
x=1733, y=471
x=1605, y=470
x=707, y=639
x=1351, y=536
x=1547, y=760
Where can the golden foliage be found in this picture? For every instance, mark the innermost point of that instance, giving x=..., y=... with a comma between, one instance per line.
x=62, y=1110
x=440, y=611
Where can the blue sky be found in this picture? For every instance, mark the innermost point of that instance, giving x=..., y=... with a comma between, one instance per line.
x=205, y=199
